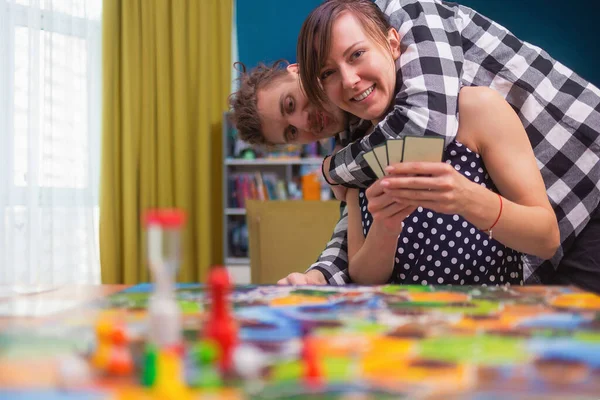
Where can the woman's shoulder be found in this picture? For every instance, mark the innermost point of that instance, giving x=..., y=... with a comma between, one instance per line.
x=480, y=108
x=476, y=99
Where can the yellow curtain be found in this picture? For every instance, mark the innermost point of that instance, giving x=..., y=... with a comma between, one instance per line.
x=166, y=78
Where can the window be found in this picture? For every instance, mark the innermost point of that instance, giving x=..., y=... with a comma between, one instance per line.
x=50, y=116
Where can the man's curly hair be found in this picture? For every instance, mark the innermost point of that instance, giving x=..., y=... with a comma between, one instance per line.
x=243, y=105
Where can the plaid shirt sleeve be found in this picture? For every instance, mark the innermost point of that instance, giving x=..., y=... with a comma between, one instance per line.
x=428, y=82
x=333, y=261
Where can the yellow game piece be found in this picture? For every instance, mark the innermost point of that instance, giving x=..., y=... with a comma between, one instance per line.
x=102, y=354
x=169, y=383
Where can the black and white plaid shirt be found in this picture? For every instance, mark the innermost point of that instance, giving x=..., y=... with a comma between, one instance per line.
x=445, y=46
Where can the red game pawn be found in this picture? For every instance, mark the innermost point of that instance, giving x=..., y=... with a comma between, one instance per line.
x=313, y=376
x=220, y=325
x=120, y=361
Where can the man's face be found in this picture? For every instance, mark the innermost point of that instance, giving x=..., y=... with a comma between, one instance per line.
x=287, y=117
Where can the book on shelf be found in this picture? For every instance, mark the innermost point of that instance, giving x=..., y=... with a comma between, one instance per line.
x=256, y=186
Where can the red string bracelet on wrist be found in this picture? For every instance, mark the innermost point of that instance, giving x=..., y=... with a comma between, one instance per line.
x=497, y=218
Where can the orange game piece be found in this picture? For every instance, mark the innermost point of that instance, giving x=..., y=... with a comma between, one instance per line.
x=220, y=325
x=101, y=357
x=118, y=336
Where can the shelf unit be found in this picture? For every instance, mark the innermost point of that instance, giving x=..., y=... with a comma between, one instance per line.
x=285, y=168
x=275, y=161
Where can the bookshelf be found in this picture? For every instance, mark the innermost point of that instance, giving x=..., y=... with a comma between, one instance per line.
x=278, y=174
x=268, y=161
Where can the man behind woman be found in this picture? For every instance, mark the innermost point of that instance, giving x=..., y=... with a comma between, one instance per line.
x=430, y=216
x=525, y=94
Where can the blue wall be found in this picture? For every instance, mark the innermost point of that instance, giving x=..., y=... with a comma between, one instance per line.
x=567, y=29
x=268, y=29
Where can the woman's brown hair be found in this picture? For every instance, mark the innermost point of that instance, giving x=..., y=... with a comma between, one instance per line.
x=314, y=41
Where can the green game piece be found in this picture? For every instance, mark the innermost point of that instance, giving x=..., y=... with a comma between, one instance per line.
x=205, y=352
x=150, y=361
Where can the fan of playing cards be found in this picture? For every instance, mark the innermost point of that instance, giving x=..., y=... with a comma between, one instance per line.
x=406, y=149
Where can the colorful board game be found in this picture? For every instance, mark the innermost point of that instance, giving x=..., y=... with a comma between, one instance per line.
x=349, y=342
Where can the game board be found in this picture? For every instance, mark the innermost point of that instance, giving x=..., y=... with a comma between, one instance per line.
x=379, y=341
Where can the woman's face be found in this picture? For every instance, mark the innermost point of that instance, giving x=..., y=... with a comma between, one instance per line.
x=359, y=75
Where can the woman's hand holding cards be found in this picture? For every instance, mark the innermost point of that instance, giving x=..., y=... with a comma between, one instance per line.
x=388, y=213
x=433, y=185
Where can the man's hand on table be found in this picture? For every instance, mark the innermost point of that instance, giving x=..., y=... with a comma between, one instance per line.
x=312, y=277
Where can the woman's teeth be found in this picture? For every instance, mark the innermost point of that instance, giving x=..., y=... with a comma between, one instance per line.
x=364, y=94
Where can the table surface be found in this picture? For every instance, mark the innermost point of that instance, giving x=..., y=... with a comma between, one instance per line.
x=28, y=307
x=519, y=342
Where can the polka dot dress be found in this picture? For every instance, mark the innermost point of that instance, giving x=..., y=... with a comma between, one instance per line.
x=442, y=249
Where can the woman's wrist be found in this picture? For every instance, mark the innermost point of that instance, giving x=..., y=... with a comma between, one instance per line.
x=379, y=230
x=482, y=207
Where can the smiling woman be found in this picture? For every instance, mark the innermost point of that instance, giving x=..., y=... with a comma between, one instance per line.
x=357, y=73
x=348, y=40
x=428, y=222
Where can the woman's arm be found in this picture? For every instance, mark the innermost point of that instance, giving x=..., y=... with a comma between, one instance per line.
x=528, y=222
x=371, y=259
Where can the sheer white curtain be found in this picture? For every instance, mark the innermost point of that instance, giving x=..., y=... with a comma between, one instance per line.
x=50, y=115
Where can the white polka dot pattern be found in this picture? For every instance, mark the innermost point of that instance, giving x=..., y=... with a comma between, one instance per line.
x=429, y=258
